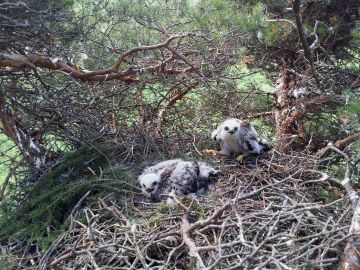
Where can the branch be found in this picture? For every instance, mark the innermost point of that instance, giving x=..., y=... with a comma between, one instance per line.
x=19, y=61
x=141, y=106
x=30, y=147
x=115, y=211
x=147, y=48
x=34, y=61
x=339, y=144
x=303, y=39
x=8, y=177
x=257, y=115
x=351, y=255
x=301, y=31
x=186, y=230
x=44, y=259
x=316, y=42
x=195, y=259
x=178, y=96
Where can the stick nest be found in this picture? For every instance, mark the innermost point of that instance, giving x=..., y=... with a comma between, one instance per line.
x=266, y=213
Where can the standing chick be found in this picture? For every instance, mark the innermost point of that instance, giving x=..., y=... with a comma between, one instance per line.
x=237, y=137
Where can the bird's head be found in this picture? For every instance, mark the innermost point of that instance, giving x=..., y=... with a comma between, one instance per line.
x=231, y=126
x=150, y=185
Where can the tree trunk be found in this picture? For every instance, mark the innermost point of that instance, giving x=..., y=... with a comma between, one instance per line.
x=288, y=114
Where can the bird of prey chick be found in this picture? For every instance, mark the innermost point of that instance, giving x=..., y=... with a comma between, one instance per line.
x=184, y=177
x=237, y=137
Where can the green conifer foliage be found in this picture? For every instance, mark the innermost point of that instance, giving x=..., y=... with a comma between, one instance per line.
x=47, y=204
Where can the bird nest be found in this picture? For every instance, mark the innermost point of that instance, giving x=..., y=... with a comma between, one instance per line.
x=265, y=214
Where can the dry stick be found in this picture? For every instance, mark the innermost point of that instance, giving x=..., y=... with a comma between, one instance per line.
x=196, y=69
x=186, y=229
x=256, y=115
x=185, y=232
x=68, y=252
x=266, y=239
x=139, y=101
x=139, y=254
x=116, y=212
x=194, y=146
x=351, y=255
x=44, y=260
x=339, y=144
x=172, y=252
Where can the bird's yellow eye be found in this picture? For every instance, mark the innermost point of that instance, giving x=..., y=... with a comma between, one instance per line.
x=226, y=128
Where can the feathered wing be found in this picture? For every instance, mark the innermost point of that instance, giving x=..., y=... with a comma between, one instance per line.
x=214, y=135
x=162, y=170
x=165, y=186
x=217, y=132
x=184, y=177
x=205, y=171
x=249, y=140
x=160, y=167
x=165, y=178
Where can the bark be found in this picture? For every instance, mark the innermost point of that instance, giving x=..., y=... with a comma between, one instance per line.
x=290, y=112
x=258, y=115
x=29, y=145
x=31, y=148
x=19, y=61
x=129, y=75
x=287, y=116
x=340, y=144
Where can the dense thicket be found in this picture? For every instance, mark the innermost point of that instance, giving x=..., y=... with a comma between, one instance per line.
x=92, y=90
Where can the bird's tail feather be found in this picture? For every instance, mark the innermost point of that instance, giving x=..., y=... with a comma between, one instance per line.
x=264, y=147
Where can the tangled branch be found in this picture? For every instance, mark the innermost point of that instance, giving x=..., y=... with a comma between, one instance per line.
x=255, y=216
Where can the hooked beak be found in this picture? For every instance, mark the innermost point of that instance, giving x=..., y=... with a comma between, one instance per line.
x=150, y=190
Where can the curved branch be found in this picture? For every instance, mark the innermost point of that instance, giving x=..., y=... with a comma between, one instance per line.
x=162, y=112
x=147, y=48
x=339, y=144
x=19, y=61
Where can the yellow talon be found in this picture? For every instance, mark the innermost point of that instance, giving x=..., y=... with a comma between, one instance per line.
x=240, y=158
x=211, y=152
